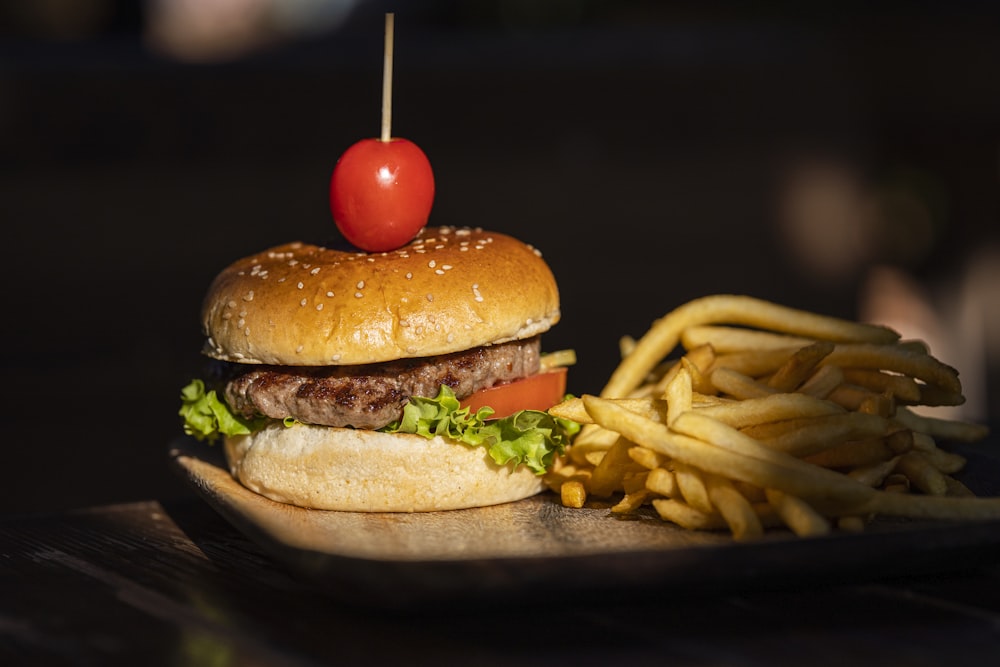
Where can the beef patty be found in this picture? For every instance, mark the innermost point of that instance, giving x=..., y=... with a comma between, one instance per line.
x=371, y=396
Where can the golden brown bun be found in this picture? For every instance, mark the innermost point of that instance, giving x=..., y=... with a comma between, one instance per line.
x=320, y=467
x=450, y=289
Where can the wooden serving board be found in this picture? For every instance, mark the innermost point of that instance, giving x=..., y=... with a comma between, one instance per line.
x=538, y=547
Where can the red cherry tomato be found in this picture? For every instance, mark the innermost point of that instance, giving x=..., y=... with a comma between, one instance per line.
x=381, y=193
x=535, y=392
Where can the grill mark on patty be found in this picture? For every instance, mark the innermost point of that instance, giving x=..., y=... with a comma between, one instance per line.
x=371, y=396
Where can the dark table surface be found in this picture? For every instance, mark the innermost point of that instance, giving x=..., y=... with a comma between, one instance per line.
x=172, y=582
x=131, y=179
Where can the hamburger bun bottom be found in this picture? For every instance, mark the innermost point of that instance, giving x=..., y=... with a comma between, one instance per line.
x=322, y=467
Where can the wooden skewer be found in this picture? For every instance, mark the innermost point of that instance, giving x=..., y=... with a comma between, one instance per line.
x=387, y=79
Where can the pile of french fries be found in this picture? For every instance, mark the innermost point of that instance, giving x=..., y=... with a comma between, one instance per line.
x=734, y=413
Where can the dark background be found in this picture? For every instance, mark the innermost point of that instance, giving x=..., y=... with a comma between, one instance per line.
x=648, y=149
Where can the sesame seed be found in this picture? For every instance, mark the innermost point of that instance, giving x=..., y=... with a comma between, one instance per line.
x=358, y=295
x=241, y=323
x=246, y=332
x=298, y=349
x=319, y=306
x=248, y=296
x=302, y=303
x=335, y=357
x=330, y=294
x=430, y=297
x=230, y=304
x=315, y=271
x=361, y=284
x=451, y=338
x=440, y=272
x=227, y=316
x=432, y=264
x=300, y=285
x=446, y=267
x=409, y=275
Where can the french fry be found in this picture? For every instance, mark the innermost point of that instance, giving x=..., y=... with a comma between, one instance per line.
x=852, y=454
x=735, y=509
x=685, y=516
x=852, y=397
x=957, y=488
x=664, y=334
x=738, y=385
x=755, y=362
x=634, y=481
x=592, y=438
x=897, y=482
x=630, y=502
x=851, y=524
x=918, y=506
x=922, y=474
x=751, y=492
x=942, y=429
x=802, y=519
x=647, y=458
x=701, y=357
x=678, y=395
x=572, y=408
x=799, y=366
x=874, y=474
x=946, y=462
x=900, y=441
x=691, y=484
x=771, y=417
x=822, y=382
x=727, y=452
x=735, y=339
x=625, y=346
x=609, y=473
x=699, y=381
x=813, y=435
x=898, y=359
x=573, y=494
x=903, y=387
x=936, y=396
x=663, y=482
x=770, y=408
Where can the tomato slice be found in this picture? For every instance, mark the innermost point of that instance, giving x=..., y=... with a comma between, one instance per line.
x=535, y=392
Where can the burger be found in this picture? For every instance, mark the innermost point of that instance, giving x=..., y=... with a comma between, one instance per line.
x=408, y=380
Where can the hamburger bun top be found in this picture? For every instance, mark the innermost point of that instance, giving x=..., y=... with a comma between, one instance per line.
x=449, y=289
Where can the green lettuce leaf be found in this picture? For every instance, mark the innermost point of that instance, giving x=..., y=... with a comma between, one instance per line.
x=207, y=417
x=529, y=437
